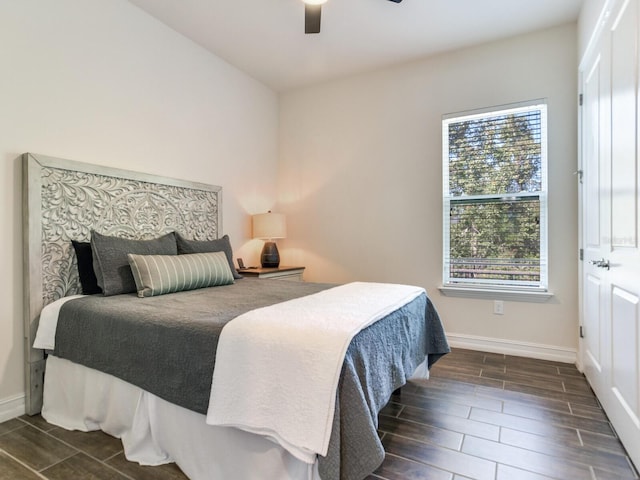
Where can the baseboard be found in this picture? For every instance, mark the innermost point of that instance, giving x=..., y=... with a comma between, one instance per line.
x=11, y=408
x=510, y=347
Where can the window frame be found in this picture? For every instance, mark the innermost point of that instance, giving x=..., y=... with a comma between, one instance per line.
x=479, y=288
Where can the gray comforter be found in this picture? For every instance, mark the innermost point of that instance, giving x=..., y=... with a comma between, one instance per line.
x=166, y=345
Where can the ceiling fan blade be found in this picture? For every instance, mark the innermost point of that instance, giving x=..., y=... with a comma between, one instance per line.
x=396, y=1
x=312, y=15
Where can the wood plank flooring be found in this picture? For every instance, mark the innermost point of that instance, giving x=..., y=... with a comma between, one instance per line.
x=481, y=416
x=494, y=417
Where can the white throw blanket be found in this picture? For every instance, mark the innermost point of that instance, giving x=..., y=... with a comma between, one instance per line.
x=277, y=368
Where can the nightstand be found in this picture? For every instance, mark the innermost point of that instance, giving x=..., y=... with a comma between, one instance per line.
x=292, y=274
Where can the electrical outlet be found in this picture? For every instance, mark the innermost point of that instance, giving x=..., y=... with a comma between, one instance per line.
x=498, y=307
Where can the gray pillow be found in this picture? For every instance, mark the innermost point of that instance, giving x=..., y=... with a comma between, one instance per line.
x=111, y=264
x=205, y=246
x=160, y=274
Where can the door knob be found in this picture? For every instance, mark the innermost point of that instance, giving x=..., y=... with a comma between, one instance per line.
x=601, y=263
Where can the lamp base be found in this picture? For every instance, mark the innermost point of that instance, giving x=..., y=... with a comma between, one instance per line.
x=270, y=257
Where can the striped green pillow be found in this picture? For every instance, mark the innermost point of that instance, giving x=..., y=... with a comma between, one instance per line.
x=160, y=274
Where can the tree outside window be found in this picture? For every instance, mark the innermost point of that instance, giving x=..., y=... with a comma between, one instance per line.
x=495, y=198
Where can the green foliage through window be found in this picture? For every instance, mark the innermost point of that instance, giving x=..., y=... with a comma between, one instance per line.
x=495, y=197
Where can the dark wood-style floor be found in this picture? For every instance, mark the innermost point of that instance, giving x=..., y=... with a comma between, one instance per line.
x=481, y=416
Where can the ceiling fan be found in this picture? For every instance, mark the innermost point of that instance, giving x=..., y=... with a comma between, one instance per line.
x=312, y=13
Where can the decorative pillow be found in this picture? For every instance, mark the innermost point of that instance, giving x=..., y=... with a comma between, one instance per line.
x=204, y=246
x=110, y=261
x=88, y=280
x=160, y=274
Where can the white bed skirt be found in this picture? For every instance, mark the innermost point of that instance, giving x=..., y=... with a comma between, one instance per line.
x=154, y=431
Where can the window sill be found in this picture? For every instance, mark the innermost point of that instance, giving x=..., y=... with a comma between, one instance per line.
x=532, y=296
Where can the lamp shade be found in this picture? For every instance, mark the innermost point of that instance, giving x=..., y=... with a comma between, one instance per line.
x=269, y=225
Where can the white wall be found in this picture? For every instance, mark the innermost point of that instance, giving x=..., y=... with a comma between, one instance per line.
x=102, y=82
x=361, y=177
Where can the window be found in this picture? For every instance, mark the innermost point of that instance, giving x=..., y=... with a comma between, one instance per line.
x=495, y=198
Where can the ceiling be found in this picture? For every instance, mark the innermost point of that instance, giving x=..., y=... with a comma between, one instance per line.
x=265, y=38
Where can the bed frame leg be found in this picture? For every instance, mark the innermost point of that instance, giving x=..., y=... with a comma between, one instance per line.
x=35, y=379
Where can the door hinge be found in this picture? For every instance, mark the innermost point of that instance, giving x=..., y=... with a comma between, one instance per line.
x=581, y=331
x=581, y=254
x=580, y=99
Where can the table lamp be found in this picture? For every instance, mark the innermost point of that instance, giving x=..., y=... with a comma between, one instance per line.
x=269, y=226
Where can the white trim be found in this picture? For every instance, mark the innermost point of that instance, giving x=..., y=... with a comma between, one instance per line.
x=604, y=15
x=510, y=347
x=516, y=295
x=538, y=105
x=11, y=408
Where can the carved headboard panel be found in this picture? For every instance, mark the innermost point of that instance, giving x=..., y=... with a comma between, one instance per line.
x=64, y=200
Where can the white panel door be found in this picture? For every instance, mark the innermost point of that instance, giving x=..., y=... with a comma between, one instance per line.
x=624, y=257
x=611, y=269
x=595, y=209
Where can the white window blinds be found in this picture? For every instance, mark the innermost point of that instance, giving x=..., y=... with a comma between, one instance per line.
x=495, y=198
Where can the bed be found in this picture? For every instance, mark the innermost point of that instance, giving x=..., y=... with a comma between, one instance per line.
x=142, y=369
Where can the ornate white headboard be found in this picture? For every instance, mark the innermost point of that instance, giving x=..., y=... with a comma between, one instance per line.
x=64, y=200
